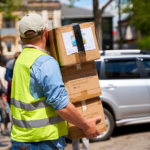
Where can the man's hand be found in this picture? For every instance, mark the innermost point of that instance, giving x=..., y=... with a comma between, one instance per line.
x=91, y=130
x=71, y=114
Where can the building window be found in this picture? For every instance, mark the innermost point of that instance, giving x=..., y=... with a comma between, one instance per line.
x=50, y=23
x=8, y=47
x=8, y=23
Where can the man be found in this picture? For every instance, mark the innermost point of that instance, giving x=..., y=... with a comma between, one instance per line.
x=39, y=100
x=10, y=67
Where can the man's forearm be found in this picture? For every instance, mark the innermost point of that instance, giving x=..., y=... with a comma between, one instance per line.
x=71, y=114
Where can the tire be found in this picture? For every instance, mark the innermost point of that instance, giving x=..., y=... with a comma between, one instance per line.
x=110, y=127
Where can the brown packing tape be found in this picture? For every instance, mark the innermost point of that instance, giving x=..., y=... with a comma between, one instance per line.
x=84, y=94
x=85, y=66
x=90, y=63
x=100, y=102
x=77, y=58
x=65, y=70
x=90, y=102
x=82, y=56
x=79, y=98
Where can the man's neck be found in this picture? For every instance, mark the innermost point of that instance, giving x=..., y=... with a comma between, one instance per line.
x=40, y=45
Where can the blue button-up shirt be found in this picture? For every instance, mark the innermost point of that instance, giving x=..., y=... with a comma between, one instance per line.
x=46, y=80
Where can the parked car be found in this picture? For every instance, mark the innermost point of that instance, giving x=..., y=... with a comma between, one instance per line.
x=124, y=77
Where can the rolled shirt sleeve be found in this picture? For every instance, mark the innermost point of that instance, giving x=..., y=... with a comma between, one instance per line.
x=48, y=76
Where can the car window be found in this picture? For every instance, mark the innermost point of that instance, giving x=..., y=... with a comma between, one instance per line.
x=98, y=67
x=123, y=69
x=147, y=66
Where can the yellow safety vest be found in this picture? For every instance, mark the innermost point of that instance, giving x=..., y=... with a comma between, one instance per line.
x=33, y=119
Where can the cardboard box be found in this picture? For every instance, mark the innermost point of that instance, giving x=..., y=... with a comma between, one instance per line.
x=63, y=45
x=81, y=81
x=92, y=109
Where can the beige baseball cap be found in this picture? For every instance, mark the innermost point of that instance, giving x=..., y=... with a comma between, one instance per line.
x=31, y=22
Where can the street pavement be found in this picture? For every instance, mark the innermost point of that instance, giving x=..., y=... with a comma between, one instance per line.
x=135, y=137
x=5, y=138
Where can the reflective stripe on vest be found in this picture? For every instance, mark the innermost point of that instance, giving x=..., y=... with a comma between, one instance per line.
x=29, y=107
x=37, y=123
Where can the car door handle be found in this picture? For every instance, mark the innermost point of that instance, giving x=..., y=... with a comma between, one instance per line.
x=110, y=86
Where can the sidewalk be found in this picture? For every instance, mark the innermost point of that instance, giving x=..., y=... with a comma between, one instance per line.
x=5, y=139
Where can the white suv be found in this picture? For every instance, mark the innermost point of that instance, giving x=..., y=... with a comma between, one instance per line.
x=124, y=77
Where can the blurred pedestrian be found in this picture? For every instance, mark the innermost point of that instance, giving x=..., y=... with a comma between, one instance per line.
x=2, y=115
x=85, y=144
x=39, y=100
x=3, y=82
x=9, y=91
x=5, y=113
x=10, y=67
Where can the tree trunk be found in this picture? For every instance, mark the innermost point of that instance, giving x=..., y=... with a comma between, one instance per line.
x=0, y=43
x=97, y=21
x=99, y=34
x=120, y=31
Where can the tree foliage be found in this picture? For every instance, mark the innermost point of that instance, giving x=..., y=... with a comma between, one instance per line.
x=8, y=6
x=140, y=19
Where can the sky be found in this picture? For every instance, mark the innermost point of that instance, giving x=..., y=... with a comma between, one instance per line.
x=88, y=4
x=84, y=3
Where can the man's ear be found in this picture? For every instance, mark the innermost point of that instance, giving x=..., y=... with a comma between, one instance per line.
x=46, y=33
x=21, y=39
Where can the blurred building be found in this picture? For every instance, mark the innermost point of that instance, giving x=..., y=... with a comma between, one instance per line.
x=128, y=33
x=9, y=31
x=78, y=15
x=55, y=15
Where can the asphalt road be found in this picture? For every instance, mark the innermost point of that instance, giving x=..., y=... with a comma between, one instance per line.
x=135, y=137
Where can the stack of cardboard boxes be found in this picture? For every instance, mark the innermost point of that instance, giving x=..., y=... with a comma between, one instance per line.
x=75, y=48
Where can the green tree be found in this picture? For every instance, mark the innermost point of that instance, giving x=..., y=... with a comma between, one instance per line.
x=7, y=7
x=140, y=19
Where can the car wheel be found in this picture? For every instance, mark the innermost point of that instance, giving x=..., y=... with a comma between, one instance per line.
x=110, y=127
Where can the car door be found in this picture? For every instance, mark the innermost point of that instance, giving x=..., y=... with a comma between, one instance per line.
x=145, y=62
x=122, y=82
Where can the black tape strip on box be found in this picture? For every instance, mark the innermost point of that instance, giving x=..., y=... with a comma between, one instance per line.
x=78, y=37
